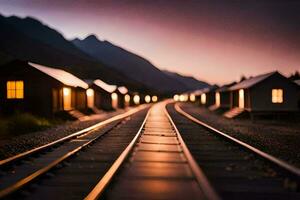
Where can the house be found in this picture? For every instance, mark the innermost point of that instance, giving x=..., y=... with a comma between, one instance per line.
x=266, y=93
x=135, y=99
x=38, y=89
x=102, y=95
x=222, y=98
x=207, y=97
x=122, y=96
x=298, y=83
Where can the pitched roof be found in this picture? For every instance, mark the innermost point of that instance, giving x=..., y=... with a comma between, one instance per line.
x=297, y=81
x=123, y=89
x=205, y=90
x=225, y=88
x=62, y=76
x=105, y=86
x=251, y=81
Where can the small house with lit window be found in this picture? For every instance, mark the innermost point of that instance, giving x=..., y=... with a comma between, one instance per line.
x=222, y=98
x=102, y=95
x=122, y=96
x=263, y=94
x=207, y=97
x=38, y=89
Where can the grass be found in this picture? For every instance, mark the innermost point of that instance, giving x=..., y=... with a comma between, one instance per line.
x=21, y=123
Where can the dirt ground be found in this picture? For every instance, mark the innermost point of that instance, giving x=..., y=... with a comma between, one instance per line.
x=278, y=138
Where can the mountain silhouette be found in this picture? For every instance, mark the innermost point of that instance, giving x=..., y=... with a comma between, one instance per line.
x=190, y=82
x=130, y=64
x=29, y=39
x=19, y=42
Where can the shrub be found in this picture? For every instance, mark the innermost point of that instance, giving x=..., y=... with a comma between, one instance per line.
x=21, y=123
x=3, y=127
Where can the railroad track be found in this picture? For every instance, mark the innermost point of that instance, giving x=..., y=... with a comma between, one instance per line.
x=235, y=169
x=155, y=165
x=20, y=174
x=155, y=154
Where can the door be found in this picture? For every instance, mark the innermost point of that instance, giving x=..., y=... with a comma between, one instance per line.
x=241, y=98
x=90, y=98
x=67, y=98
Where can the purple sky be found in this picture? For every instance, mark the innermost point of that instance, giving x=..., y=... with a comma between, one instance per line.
x=211, y=40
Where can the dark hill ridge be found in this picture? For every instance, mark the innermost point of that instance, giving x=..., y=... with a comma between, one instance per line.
x=35, y=29
x=190, y=82
x=132, y=65
x=19, y=43
x=29, y=39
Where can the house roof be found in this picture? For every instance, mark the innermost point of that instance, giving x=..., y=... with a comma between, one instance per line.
x=297, y=81
x=251, y=81
x=225, y=88
x=105, y=86
x=123, y=90
x=62, y=76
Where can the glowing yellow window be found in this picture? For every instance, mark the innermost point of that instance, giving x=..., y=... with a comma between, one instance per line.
x=203, y=98
x=218, y=99
x=114, y=100
x=192, y=98
x=15, y=89
x=241, y=98
x=277, y=95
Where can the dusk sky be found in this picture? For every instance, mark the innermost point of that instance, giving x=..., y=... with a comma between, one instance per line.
x=211, y=40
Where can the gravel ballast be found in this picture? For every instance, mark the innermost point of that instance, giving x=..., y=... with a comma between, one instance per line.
x=278, y=138
x=20, y=143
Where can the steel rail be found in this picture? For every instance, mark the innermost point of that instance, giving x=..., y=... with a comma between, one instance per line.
x=99, y=189
x=202, y=180
x=69, y=137
x=30, y=178
x=282, y=164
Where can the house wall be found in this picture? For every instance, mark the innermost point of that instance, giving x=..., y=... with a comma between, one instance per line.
x=234, y=99
x=102, y=99
x=225, y=99
x=80, y=98
x=210, y=98
x=121, y=100
x=37, y=90
x=261, y=95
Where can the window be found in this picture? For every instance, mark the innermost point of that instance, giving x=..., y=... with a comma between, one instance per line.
x=15, y=89
x=192, y=98
x=277, y=95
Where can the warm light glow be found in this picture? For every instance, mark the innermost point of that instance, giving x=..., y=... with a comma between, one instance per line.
x=90, y=92
x=66, y=91
x=277, y=95
x=114, y=100
x=67, y=98
x=90, y=97
x=192, y=98
x=15, y=89
x=181, y=97
x=147, y=99
x=136, y=99
x=176, y=97
x=114, y=96
x=127, y=98
x=218, y=99
x=203, y=98
x=154, y=99
x=241, y=99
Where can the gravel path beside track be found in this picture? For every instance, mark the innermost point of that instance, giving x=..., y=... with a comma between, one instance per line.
x=280, y=139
